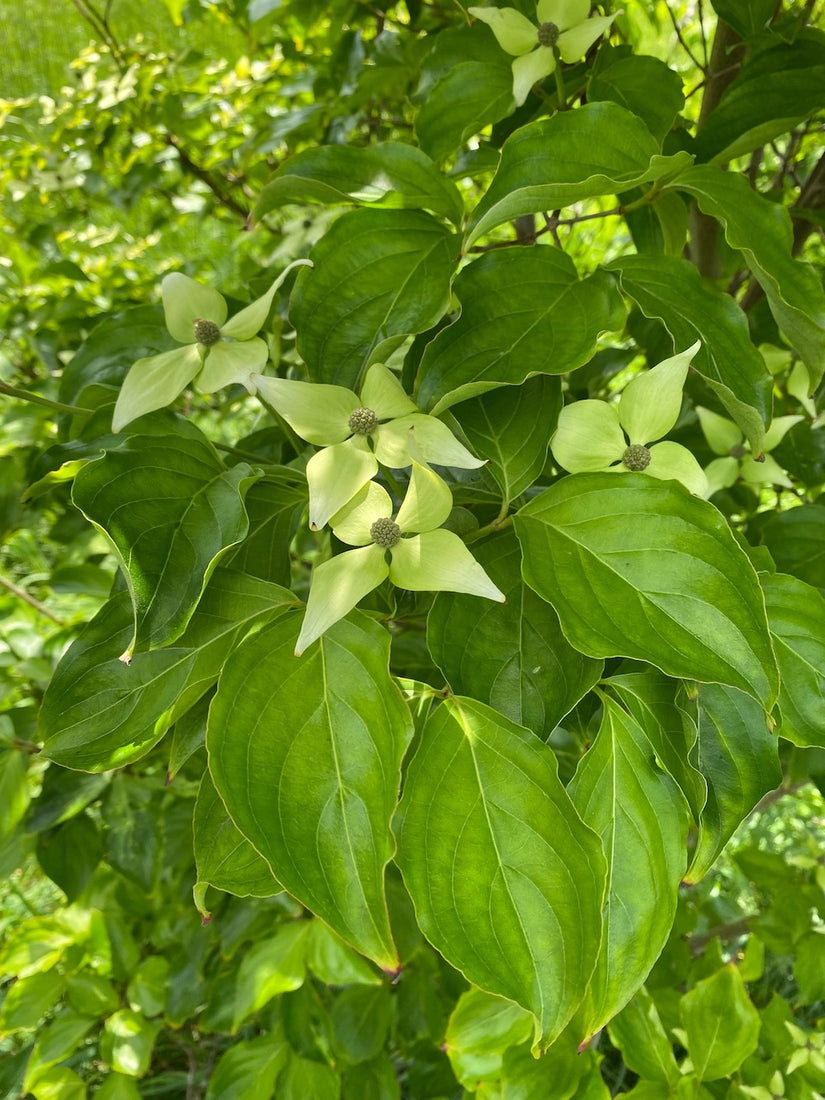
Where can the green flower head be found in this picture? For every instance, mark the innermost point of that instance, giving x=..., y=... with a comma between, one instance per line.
x=594, y=435
x=563, y=30
x=412, y=549
x=725, y=439
x=215, y=352
x=357, y=432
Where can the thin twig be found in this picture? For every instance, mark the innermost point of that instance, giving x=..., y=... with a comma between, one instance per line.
x=223, y=197
x=36, y=399
x=23, y=595
x=682, y=42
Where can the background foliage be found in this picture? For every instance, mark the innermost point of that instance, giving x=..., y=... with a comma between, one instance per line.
x=224, y=139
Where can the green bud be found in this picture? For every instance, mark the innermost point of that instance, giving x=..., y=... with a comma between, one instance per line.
x=636, y=457
x=385, y=532
x=362, y=421
x=548, y=34
x=207, y=332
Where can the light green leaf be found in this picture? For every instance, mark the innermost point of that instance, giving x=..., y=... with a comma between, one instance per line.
x=671, y=290
x=388, y=174
x=638, y=1033
x=248, y=1070
x=128, y=1041
x=721, y=1024
x=672, y=461
x=747, y=17
x=186, y=301
x=642, y=818
x=510, y=427
x=170, y=510
x=29, y=999
x=599, y=149
x=651, y=401
x=512, y=655
x=155, y=382
x=796, y=614
x=379, y=276
x=146, y=991
x=337, y=586
x=506, y=880
x=762, y=231
x=503, y=338
x=270, y=967
x=427, y=503
x=306, y=755
x=58, y=1083
x=739, y=758
x=318, y=413
x=438, y=561
x=99, y=713
x=223, y=856
x=232, y=362
x=333, y=961
x=588, y=437
x=480, y=1029
x=639, y=568
x=56, y=1041
x=335, y=474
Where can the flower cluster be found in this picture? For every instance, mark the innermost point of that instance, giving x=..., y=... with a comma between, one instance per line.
x=736, y=461
x=358, y=433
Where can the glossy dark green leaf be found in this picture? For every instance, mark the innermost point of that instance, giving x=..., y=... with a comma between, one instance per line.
x=506, y=880
x=762, y=231
x=69, y=854
x=306, y=754
x=361, y=1018
x=471, y=96
x=170, y=510
x=638, y=1032
x=99, y=713
x=599, y=149
x=504, y=336
x=669, y=720
x=721, y=1024
x=738, y=756
x=511, y=427
x=643, y=85
x=379, y=275
x=388, y=174
x=778, y=86
x=671, y=290
x=796, y=540
x=248, y=1070
x=642, y=819
x=223, y=856
x=637, y=567
x=796, y=613
x=511, y=655
x=373, y=1080
x=274, y=506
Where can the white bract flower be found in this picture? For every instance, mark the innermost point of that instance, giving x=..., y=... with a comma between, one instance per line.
x=357, y=432
x=724, y=438
x=563, y=30
x=594, y=435
x=215, y=352
x=412, y=549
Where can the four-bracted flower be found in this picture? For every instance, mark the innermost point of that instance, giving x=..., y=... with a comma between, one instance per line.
x=216, y=352
x=563, y=30
x=724, y=438
x=591, y=434
x=357, y=432
x=412, y=549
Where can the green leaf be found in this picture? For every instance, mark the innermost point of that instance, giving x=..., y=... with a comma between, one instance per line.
x=274, y=506
x=721, y=1024
x=809, y=968
x=379, y=275
x=170, y=510
x=643, y=85
x=638, y=1033
x=56, y=1041
x=480, y=1029
x=247, y=1071
x=642, y=819
x=747, y=17
x=270, y=967
x=361, y=1017
x=69, y=854
x=147, y=989
x=302, y=1078
x=511, y=655
x=333, y=961
x=63, y=795
x=58, y=1083
x=738, y=756
x=778, y=86
x=90, y=994
x=99, y=713
x=471, y=96
x=29, y=999
x=306, y=754
x=796, y=613
x=640, y=568
x=388, y=174
x=128, y=1041
x=796, y=540
x=117, y=1087
x=600, y=149
x=14, y=789
x=373, y=1080
x=561, y=1072
x=510, y=427
x=503, y=337
x=223, y=856
x=762, y=231
x=671, y=290
x=498, y=862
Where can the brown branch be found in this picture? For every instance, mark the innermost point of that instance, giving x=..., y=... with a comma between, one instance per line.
x=223, y=197
x=732, y=930
x=23, y=595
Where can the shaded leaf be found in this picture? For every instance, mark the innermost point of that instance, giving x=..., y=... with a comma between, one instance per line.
x=796, y=613
x=796, y=540
x=721, y=1024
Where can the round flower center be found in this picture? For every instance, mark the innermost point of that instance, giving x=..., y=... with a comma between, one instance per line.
x=207, y=332
x=362, y=421
x=737, y=451
x=385, y=532
x=548, y=34
x=636, y=457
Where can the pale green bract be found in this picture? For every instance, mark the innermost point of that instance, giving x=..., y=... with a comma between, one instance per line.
x=323, y=415
x=725, y=439
x=418, y=555
x=514, y=32
x=593, y=435
x=155, y=381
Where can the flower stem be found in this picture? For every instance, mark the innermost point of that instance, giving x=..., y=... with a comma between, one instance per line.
x=560, y=84
x=498, y=524
x=36, y=399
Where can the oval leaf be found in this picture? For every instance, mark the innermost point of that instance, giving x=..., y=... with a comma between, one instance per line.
x=796, y=613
